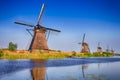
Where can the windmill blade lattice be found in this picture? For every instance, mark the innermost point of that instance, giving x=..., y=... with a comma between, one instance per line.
x=29, y=31
x=25, y=24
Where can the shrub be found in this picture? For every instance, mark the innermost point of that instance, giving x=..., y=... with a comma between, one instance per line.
x=117, y=54
x=107, y=54
x=79, y=55
x=12, y=46
x=40, y=51
x=1, y=53
x=59, y=51
x=95, y=54
x=73, y=53
x=87, y=54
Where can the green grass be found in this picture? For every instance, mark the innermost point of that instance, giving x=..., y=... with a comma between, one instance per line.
x=94, y=54
x=51, y=55
x=33, y=56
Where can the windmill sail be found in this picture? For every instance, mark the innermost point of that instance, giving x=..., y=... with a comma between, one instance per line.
x=83, y=38
x=51, y=29
x=40, y=15
x=25, y=24
x=28, y=30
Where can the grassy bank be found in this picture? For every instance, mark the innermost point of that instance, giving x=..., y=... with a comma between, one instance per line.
x=22, y=54
x=28, y=55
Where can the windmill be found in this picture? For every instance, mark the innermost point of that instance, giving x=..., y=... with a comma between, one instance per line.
x=112, y=51
x=107, y=50
x=85, y=47
x=39, y=40
x=99, y=49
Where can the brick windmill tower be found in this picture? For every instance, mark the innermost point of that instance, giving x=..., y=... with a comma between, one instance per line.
x=99, y=49
x=39, y=37
x=85, y=47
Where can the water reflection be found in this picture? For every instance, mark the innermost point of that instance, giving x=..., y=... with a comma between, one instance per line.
x=99, y=77
x=63, y=69
x=11, y=66
x=93, y=76
x=39, y=71
x=84, y=66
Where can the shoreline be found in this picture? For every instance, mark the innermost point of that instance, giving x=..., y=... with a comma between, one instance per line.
x=24, y=54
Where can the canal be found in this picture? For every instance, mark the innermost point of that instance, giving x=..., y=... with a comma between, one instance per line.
x=61, y=69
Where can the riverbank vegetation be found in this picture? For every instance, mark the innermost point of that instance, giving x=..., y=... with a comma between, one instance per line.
x=117, y=54
x=52, y=54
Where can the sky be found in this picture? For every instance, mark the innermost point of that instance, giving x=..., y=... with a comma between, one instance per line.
x=99, y=19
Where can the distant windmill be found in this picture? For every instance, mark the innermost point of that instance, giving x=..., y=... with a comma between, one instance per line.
x=39, y=37
x=107, y=50
x=85, y=47
x=112, y=51
x=99, y=49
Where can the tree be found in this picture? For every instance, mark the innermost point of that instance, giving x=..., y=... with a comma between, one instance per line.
x=12, y=46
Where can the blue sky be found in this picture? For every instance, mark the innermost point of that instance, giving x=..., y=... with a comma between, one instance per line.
x=99, y=19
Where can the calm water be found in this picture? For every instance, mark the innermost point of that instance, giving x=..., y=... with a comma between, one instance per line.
x=61, y=69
